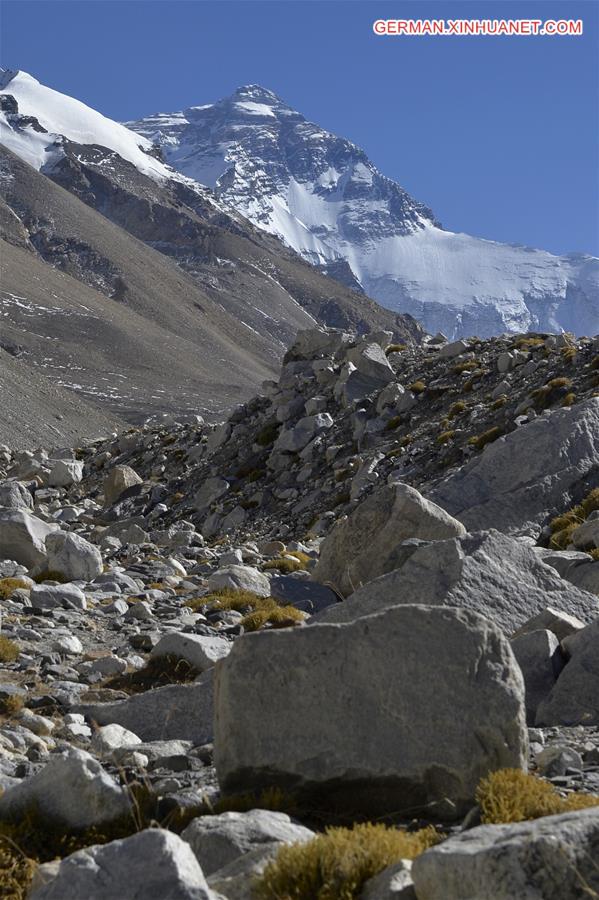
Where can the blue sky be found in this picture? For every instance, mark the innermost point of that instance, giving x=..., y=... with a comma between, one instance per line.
x=500, y=136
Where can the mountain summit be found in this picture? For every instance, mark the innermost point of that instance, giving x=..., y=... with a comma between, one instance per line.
x=322, y=195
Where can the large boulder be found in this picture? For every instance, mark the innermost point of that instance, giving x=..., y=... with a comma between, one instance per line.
x=365, y=544
x=523, y=477
x=400, y=712
x=119, y=480
x=574, y=699
x=552, y=858
x=488, y=572
x=23, y=537
x=174, y=712
x=539, y=656
x=240, y=578
x=199, y=650
x=153, y=864
x=65, y=472
x=221, y=839
x=370, y=360
x=73, y=791
x=294, y=439
x=15, y=495
x=71, y=556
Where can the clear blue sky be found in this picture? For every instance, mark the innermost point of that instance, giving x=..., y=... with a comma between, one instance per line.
x=500, y=136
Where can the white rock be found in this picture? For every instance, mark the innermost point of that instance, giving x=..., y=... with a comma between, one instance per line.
x=403, y=710
x=153, y=864
x=73, y=557
x=73, y=789
x=362, y=546
x=111, y=737
x=119, y=480
x=552, y=858
x=200, y=651
x=23, y=537
x=220, y=839
x=245, y=578
x=65, y=472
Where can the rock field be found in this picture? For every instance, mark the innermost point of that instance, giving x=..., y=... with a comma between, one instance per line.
x=368, y=593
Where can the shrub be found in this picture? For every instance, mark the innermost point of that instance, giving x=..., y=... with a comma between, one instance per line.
x=270, y=612
x=301, y=556
x=595, y=363
x=569, y=399
x=395, y=348
x=417, y=387
x=336, y=865
x=445, y=437
x=467, y=366
x=393, y=423
x=568, y=354
x=226, y=598
x=562, y=526
x=11, y=704
x=9, y=651
x=527, y=343
x=510, y=795
x=16, y=870
x=283, y=565
x=9, y=585
x=342, y=498
x=267, y=435
x=487, y=437
x=456, y=408
x=501, y=401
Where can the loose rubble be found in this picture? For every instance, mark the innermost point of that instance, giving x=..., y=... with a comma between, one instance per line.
x=411, y=531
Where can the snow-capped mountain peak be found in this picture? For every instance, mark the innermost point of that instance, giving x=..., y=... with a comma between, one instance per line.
x=52, y=115
x=321, y=194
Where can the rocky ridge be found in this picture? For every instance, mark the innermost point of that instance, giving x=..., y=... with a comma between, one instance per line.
x=180, y=604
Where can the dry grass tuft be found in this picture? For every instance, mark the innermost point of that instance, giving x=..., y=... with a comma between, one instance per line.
x=487, y=437
x=336, y=865
x=283, y=564
x=9, y=651
x=510, y=795
x=270, y=612
x=395, y=348
x=9, y=585
x=445, y=437
x=564, y=525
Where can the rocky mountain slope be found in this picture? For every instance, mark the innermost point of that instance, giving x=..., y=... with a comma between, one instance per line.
x=196, y=306
x=322, y=195
x=36, y=412
x=371, y=594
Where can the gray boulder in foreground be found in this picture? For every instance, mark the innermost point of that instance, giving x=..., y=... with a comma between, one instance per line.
x=574, y=699
x=174, y=712
x=552, y=858
x=520, y=479
x=23, y=537
x=539, y=656
x=72, y=790
x=364, y=545
x=404, y=711
x=219, y=840
x=488, y=572
x=151, y=864
x=73, y=557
